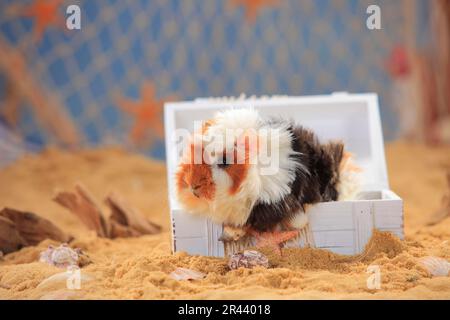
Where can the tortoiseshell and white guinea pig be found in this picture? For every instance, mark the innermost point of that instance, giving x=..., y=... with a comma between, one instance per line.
x=229, y=184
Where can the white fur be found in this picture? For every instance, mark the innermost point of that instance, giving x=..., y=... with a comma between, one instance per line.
x=231, y=209
x=349, y=181
x=275, y=186
x=235, y=209
x=299, y=220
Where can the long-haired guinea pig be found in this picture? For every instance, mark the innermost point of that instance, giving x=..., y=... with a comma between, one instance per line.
x=224, y=174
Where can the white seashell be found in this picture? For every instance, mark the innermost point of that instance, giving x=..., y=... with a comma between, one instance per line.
x=71, y=280
x=62, y=256
x=248, y=259
x=437, y=267
x=186, y=274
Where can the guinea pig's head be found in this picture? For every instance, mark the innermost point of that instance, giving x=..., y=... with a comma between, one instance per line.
x=214, y=177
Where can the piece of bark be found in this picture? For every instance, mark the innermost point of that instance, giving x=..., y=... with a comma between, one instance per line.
x=120, y=231
x=127, y=220
x=444, y=210
x=10, y=239
x=82, y=204
x=32, y=228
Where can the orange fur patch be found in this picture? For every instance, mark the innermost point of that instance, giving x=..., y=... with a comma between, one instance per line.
x=195, y=176
x=238, y=172
x=348, y=164
x=206, y=125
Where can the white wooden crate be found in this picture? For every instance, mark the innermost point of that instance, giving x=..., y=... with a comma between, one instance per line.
x=342, y=226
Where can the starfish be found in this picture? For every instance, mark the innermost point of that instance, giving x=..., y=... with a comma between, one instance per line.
x=273, y=239
x=252, y=7
x=147, y=113
x=45, y=14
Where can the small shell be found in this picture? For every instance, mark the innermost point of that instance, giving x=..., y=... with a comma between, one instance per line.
x=63, y=256
x=65, y=280
x=437, y=267
x=186, y=274
x=248, y=259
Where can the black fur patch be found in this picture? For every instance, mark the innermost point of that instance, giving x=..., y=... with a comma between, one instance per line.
x=322, y=162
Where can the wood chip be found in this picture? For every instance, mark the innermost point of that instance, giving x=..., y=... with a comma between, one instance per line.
x=19, y=229
x=124, y=221
x=10, y=239
x=82, y=204
x=131, y=220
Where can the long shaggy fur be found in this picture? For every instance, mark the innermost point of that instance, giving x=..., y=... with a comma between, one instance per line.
x=239, y=195
x=315, y=180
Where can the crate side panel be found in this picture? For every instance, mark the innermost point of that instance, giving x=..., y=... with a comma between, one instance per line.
x=192, y=246
x=188, y=226
x=341, y=250
x=215, y=246
x=324, y=239
x=331, y=216
x=363, y=215
x=388, y=214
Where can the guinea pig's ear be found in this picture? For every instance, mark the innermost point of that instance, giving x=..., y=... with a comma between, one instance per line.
x=247, y=145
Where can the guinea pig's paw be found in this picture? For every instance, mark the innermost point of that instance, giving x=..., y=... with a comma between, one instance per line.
x=232, y=234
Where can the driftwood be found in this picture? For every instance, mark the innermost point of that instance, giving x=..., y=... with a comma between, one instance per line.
x=83, y=205
x=10, y=239
x=130, y=218
x=20, y=229
x=444, y=211
x=123, y=222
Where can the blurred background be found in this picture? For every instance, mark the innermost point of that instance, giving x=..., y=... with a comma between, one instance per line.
x=106, y=83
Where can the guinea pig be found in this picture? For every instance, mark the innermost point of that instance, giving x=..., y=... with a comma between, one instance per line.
x=243, y=171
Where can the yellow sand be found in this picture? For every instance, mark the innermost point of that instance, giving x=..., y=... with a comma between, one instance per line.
x=138, y=268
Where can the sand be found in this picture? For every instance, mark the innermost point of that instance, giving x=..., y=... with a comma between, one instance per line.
x=139, y=268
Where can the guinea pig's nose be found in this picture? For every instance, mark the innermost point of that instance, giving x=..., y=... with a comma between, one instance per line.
x=195, y=190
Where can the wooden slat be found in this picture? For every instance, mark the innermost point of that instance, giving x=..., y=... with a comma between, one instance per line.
x=341, y=250
x=331, y=216
x=215, y=246
x=363, y=215
x=187, y=225
x=192, y=246
x=334, y=238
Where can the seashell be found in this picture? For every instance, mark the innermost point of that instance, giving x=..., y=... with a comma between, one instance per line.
x=64, y=256
x=73, y=279
x=437, y=267
x=248, y=259
x=186, y=274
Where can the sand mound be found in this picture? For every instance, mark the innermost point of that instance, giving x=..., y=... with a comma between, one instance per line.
x=139, y=268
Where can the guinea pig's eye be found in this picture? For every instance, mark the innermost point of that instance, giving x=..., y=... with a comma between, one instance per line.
x=222, y=163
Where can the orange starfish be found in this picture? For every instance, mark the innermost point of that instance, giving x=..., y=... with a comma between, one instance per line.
x=148, y=112
x=252, y=7
x=45, y=14
x=273, y=239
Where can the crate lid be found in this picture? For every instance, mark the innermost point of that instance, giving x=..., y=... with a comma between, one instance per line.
x=352, y=118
